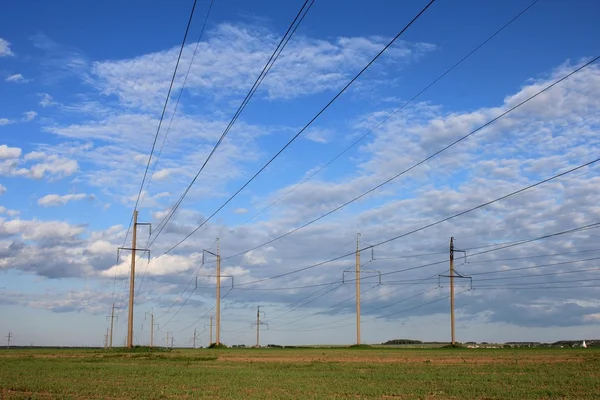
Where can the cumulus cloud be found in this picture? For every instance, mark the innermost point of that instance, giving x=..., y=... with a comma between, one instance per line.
x=17, y=78
x=6, y=121
x=2, y=189
x=36, y=165
x=5, y=48
x=54, y=200
x=9, y=152
x=40, y=230
x=54, y=166
x=158, y=266
x=9, y=212
x=533, y=143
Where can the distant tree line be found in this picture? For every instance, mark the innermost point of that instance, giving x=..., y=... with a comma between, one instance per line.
x=403, y=341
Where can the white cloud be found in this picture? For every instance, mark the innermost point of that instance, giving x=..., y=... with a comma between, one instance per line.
x=43, y=165
x=29, y=116
x=319, y=135
x=46, y=100
x=159, y=266
x=164, y=173
x=5, y=48
x=10, y=213
x=35, y=155
x=53, y=200
x=40, y=230
x=6, y=121
x=101, y=247
x=233, y=56
x=592, y=318
x=255, y=258
x=2, y=189
x=117, y=158
x=9, y=152
x=537, y=141
x=55, y=166
x=60, y=61
x=17, y=78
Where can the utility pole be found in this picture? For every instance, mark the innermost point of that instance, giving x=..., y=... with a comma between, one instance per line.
x=151, y=327
x=132, y=282
x=172, y=339
x=112, y=318
x=258, y=327
x=106, y=339
x=167, y=340
x=453, y=274
x=10, y=335
x=134, y=249
x=218, y=294
x=218, y=333
x=358, y=288
x=258, y=324
x=211, y=329
x=452, y=289
x=194, y=345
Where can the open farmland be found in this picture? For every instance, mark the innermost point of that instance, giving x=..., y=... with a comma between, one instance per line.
x=302, y=374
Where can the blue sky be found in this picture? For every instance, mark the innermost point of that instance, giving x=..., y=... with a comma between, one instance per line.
x=82, y=88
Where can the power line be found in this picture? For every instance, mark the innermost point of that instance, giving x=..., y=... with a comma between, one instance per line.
x=408, y=256
x=439, y=262
x=274, y=56
x=184, y=290
x=309, y=328
x=159, y=126
x=171, y=122
x=477, y=287
x=459, y=140
x=307, y=297
x=292, y=287
x=396, y=111
x=540, y=287
x=205, y=314
x=544, y=283
x=504, y=270
x=198, y=269
x=576, y=271
x=350, y=298
x=533, y=267
x=446, y=297
x=513, y=244
x=179, y=309
x=303, y=128
x=431, y=224
x=504, y=246
x=310, y=301
x=478, y=235
x=162, y=114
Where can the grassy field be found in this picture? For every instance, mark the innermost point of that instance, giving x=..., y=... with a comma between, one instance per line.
x=302, y=374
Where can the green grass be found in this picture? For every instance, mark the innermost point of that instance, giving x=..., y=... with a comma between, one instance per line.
x=302, y=374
